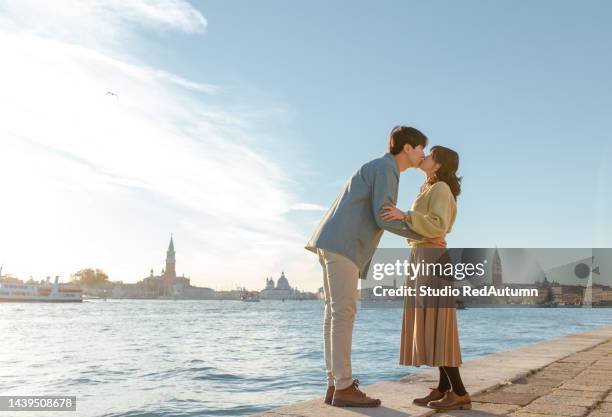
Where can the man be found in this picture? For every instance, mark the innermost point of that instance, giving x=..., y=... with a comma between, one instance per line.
x=345, y=240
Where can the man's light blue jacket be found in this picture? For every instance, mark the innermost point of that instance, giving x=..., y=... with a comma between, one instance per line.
x=352, y=226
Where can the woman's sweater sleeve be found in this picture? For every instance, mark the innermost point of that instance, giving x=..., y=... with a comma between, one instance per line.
x=436, y=221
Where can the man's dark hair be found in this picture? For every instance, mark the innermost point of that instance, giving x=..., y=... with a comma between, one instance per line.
x=402, y=135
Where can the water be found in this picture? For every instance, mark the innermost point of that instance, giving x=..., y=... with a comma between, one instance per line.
x=222, y=358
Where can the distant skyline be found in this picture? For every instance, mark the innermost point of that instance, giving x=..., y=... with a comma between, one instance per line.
x=234, y=127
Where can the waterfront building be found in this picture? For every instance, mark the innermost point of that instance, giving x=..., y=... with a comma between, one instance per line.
x=165, y=285
x=283, y=291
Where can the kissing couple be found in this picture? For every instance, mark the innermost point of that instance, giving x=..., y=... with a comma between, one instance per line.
x=345, y=241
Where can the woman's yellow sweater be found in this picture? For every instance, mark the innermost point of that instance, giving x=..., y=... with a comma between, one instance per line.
x=433, y=212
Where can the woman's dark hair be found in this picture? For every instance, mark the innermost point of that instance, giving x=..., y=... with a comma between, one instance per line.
x=449, y=163
x=402, y=135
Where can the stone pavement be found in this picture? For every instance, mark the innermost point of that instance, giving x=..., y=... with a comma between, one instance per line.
x=577, y=385
x=568, y=376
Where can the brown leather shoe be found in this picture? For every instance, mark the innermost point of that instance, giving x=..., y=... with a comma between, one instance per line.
x=329, y=395
x=433, y=395
x=353, y=397
x=452, y=401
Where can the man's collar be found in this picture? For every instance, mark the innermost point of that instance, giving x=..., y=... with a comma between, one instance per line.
x=395, y=167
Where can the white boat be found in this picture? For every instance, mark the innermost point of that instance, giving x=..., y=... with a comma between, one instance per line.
x=47, y=292
x=249, y=297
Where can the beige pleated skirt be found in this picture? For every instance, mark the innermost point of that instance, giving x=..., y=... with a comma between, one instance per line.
x=429, y=334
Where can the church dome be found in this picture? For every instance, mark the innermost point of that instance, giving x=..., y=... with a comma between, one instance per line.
x=282, y=283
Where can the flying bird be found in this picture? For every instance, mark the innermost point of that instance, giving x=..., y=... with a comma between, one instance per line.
x=110, y=93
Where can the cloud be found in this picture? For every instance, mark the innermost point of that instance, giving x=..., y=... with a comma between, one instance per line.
x=308, y=207
x=67, y=17
x=101, y=180
x=174, y=14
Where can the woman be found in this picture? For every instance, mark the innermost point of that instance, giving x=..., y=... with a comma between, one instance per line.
x=429, y=331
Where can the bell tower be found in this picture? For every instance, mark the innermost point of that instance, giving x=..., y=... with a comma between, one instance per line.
x=168, y=277
x=497, y=270
x=171, y=261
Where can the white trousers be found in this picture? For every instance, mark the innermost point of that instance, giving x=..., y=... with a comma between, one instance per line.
x=340, y=277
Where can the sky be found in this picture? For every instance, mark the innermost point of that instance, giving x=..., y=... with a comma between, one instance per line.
x=234, y=125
